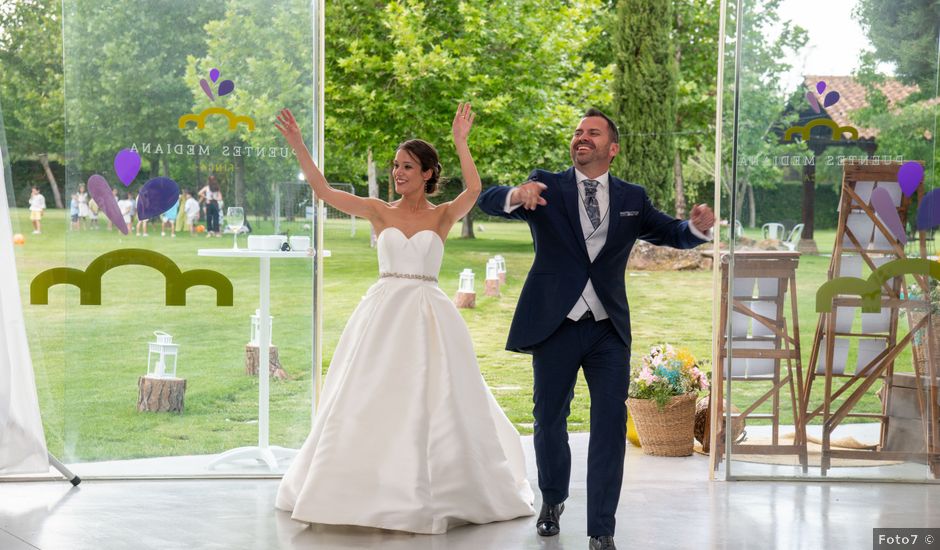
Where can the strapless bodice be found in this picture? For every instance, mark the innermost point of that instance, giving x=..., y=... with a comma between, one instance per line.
x=420, y=255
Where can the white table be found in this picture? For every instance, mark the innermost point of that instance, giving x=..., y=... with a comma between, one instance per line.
x=263, y=451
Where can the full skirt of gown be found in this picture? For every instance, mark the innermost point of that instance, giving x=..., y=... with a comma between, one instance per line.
x=407, y=436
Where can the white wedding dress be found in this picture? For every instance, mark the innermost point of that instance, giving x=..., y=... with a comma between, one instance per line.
x=407, y=436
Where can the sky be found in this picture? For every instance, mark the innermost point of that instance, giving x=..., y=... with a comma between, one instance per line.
x=836, y=39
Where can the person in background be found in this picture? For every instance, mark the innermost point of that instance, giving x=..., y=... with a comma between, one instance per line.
x=37, y=206
x=211, y=195
x=191, y=209
x=141, y=223
x=93, y=210
x=127, y=209
x=168, y=218
x=73, y=212
x=83, y=210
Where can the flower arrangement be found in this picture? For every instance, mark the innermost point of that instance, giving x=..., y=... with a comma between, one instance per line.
x=667, y=372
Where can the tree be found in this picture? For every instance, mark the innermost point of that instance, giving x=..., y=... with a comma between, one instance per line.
x=399, y=71
x=125, y=78
x=31, y=85
x=761, y=103
x=645, y=95
x=266, y=50
x=904, y=32
x=695, y=36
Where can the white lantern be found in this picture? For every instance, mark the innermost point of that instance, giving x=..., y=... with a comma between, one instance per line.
x=162, y=348
x=256, y=327
x=500, y=263
x=466, y=281
x=492, y=269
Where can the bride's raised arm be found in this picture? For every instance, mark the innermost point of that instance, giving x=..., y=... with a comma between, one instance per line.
x=347, y=202
x=460, y=206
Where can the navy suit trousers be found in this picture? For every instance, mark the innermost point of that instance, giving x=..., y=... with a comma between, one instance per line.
x=596, y=347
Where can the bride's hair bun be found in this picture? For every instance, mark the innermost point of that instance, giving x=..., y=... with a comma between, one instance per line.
x=427, y=156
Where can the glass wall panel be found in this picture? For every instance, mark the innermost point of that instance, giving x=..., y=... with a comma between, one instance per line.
x=167, y=100
x=829, y=352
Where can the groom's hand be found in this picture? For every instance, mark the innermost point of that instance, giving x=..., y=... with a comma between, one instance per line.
x=529, y=195
x=702, y=217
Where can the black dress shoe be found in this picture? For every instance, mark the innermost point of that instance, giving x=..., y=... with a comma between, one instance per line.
x=547, y=524
x=603, y=543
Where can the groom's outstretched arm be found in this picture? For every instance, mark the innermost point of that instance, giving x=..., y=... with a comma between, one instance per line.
x=506, y=201
x=661, y=229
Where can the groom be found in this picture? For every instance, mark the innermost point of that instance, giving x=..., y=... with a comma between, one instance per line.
x=573, y=310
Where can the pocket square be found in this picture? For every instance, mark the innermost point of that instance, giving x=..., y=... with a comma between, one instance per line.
x=629, y=213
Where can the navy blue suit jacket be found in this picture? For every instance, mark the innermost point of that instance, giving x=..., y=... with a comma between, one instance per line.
x=562, y=266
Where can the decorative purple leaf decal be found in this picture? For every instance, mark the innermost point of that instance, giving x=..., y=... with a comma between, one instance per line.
x=126, y=165
x=99, y=190
x=928, y=211
x=820, y=87
x=812, y=101
x=883, y=204
x=156, y=197
x=226, y=87
x=831, y=99
x=214, y=75
x=206, y=88
x=910, y=174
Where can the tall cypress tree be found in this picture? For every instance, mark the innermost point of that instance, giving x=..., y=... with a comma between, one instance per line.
x=645, y=96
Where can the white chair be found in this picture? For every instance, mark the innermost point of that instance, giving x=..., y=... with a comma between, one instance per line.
x=773, y=231
x=793, y=239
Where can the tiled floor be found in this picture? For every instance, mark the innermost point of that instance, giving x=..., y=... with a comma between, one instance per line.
x=666, y=503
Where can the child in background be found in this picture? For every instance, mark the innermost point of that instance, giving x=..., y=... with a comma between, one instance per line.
x=169, y=218
x=37, y=205
x=127, y=209
x=191, y=209
x=141, y=223
x=83, y=210
x=93, y=213
x=73, y=211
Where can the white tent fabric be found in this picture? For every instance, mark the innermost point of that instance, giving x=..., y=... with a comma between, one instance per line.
x=22, y=441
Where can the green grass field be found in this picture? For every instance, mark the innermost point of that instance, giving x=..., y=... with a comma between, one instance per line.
x=87, y=359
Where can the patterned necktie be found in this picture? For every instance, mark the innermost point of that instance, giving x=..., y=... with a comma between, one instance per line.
x=590, y=202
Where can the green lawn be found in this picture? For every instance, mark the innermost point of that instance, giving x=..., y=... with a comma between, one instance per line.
x=88, y=358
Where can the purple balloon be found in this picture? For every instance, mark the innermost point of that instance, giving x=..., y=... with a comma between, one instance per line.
x=910, y=174
x=820, y=87
x=101, y=192
x=206, y=88
x=127, y=166
x=812, y=101
x=831, y=99
x=156, y=197
x=883, y=204
x=214, y=74
x=928, y=211
x=226, y=87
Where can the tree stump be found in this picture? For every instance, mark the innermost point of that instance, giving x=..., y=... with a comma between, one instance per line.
x=274, y=362
x=491, y=287
x=160, y=394
x=466, y=299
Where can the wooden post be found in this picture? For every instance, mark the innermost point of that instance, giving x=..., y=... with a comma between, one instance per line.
x=466, y=300
x=274, y=362
x=160, y=394
x=491, y=287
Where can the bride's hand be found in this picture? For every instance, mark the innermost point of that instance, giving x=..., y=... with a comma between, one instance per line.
x=287, y=125
x=463, y=121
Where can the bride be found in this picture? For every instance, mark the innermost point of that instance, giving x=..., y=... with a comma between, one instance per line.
x=407, y=435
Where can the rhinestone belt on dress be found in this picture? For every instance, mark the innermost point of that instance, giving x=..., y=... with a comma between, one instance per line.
x=428, y=278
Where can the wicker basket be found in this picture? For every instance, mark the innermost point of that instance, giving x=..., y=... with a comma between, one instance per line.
x=668, y=432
